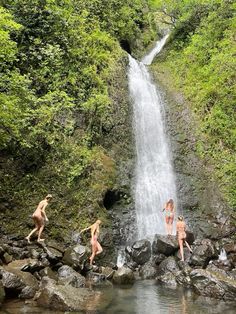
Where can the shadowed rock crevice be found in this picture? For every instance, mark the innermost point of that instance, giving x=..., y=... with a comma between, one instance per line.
x=125, y=45
x=111, y=197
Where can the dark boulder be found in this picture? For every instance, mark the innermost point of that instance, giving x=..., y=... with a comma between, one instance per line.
x=48, y=272
x=2, y=293
x=76, y=256
x=18, y=283
x=213, y=284
x=230, y=247
x=68, y=276
x=32, y=266
x=189, y=237
x=123, y=275
x=203, y=252
x=140, y=252
x=53, y=255
x=158, y=258
x=166, y=245
x=55, y=245
x=132, y=265
x=68, y=298
x=108, y=272
x=232, y=259
x=148, y=271
x=7, y=258
x=167, y=279
x=34, y=253
x=168, y=265
x=183, y=276
x=98, y=280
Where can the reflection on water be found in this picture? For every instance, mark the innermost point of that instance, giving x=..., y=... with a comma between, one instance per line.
x=145, y=297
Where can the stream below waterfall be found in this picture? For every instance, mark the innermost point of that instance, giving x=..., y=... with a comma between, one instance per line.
x=145, y=297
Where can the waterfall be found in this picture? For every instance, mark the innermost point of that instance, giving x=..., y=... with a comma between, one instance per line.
x=154, y=177
x=159, y=45
x=222, y=256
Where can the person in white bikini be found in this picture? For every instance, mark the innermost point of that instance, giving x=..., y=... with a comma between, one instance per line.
x=169, y=216
x=40, y=217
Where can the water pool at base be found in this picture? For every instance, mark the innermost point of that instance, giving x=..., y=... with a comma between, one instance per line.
x=144, y=297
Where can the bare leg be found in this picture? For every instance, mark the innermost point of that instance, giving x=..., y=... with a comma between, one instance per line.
x=167, y=225
x=94, y=250
x=181, y=249
x=169, y=228
x=92, y=258
x=30, y=234
x=171, y=220
x=99, y=248
x=188, y=246
x=40, y=232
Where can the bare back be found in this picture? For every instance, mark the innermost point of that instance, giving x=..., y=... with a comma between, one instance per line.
x=180, y=228
x=39, y=212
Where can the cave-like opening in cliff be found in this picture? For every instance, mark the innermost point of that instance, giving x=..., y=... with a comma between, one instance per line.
x=111, y=197
x=125, y=45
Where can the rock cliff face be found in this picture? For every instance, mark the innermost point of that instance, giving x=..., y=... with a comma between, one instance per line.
x=106, y=190
x=199, y=198
x=119, y=201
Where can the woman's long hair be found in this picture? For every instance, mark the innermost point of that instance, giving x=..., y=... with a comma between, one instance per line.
x=170, y=203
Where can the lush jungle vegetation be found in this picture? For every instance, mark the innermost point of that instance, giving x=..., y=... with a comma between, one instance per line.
x=58, y=63
x=201, y=59
x=63, y=99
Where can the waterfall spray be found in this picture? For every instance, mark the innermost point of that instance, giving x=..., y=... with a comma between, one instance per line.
x=154, y=176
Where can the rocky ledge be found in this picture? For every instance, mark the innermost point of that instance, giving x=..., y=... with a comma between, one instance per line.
x=61, y=278
x=202, y=269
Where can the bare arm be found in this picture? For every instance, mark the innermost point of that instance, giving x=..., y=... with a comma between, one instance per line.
x=43, y=211
x=86, y=229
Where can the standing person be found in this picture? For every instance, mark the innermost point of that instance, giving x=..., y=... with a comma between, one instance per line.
x=40, y=217
x=181, y=234
x=96, y=246
x=169, y=216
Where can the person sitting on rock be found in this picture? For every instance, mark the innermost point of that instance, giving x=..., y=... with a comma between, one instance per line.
x=40, y=217
x=169, y=216
x=181, y=234
x=96, y=246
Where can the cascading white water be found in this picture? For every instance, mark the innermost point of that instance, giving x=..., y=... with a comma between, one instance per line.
x=159, y=45
x=154, y=177
x=223, y=256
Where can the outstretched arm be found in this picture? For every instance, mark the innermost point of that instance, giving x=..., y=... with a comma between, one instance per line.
x=85, y=229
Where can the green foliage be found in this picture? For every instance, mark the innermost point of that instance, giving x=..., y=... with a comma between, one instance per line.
x=8, y=48
x=203, y=63
x=56, y=59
